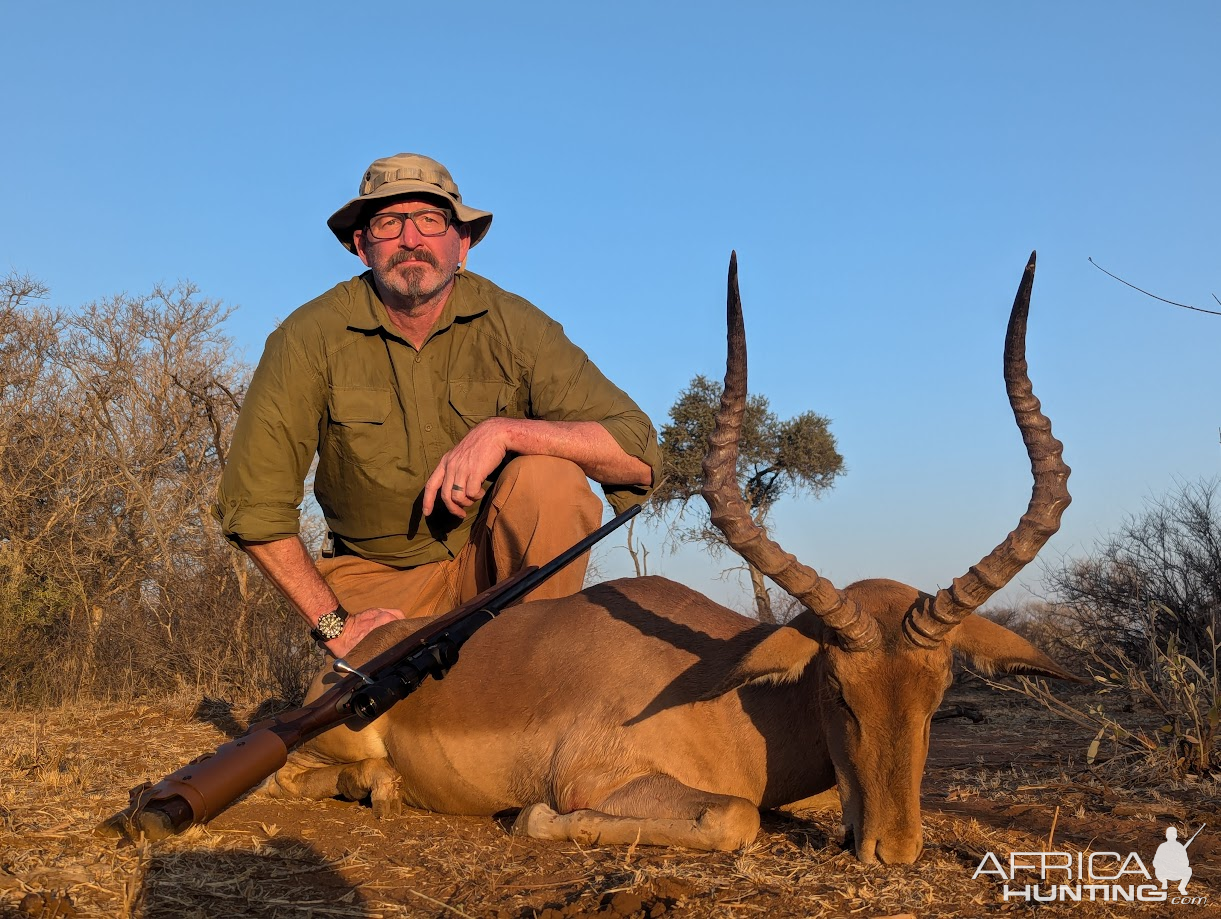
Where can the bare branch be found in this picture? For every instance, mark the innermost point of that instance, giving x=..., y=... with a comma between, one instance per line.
x=1186, y=306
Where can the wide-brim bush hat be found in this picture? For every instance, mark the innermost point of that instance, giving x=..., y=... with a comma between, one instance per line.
x=405, y=174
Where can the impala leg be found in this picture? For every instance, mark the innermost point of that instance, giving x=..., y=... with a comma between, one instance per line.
x=374, y=778
x=680, y=816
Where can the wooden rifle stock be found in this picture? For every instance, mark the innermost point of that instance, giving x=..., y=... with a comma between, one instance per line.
x=207, y=785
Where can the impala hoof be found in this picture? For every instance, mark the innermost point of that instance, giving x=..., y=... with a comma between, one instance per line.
x=387, y=806
x=534, y=821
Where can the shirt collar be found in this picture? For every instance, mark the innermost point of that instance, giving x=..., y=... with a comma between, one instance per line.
x=369, y=314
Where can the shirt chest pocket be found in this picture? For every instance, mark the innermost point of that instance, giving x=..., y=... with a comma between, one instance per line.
x=358, y=429
x=473, y=401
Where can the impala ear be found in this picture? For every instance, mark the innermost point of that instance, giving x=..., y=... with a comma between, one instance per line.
x=993, y=648
x=779, y=658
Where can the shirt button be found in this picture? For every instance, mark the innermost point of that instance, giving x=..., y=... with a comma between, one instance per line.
x=428, y=427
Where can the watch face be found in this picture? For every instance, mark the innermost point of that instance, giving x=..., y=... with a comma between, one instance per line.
x=329, y=626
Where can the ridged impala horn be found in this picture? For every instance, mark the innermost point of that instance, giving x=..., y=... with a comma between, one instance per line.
x=857, y=630
x=928, y=624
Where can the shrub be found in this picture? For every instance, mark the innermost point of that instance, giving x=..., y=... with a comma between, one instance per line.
x=1141, y=616
x=114, y=579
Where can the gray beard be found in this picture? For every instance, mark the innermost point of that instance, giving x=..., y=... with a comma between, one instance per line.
x=411, y=287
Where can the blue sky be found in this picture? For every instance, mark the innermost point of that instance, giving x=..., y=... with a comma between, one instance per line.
x=883, y=170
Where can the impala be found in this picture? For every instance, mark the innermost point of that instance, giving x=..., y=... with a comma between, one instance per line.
x=640, y=711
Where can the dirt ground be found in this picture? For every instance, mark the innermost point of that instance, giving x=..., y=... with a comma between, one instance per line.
x=996, y=786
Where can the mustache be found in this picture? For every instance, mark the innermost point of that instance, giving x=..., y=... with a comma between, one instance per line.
x=413, y=255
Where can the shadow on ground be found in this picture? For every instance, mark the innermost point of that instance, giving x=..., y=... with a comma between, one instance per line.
x=286, y=878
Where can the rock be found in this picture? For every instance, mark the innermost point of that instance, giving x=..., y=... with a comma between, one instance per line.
x=625, y=903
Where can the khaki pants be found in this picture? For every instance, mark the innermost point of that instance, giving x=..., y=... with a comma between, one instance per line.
x=538, y=507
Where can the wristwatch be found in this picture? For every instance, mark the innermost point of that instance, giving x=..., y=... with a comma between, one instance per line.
x=330, y=625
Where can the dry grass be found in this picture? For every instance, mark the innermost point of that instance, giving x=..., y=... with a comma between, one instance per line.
x=990, y=787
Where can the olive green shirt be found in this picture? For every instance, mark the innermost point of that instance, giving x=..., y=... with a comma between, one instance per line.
x=337, y=380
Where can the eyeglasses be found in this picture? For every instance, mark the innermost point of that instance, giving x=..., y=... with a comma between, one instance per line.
x=428, y=222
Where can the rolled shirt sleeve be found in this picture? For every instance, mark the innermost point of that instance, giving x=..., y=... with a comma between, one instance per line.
x=567, y=386
x=273, y=447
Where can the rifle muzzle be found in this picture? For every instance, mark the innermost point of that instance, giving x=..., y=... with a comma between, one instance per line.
x=201, y=789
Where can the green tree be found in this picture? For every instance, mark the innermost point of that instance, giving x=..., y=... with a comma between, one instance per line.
x=775, y=458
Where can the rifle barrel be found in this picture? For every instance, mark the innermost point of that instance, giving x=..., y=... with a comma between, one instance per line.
x=528, y=583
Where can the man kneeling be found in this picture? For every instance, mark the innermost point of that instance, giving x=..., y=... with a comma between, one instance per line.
x=454, y=425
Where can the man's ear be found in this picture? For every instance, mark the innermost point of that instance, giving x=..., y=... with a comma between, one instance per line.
x=464, y=244
x=358, y=242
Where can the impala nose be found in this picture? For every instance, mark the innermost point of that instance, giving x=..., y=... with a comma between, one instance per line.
x=899, y=851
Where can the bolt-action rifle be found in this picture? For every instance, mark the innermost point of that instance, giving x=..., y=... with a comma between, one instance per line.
x=206, y=786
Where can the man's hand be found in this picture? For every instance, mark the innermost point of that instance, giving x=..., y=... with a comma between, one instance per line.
x=358, y=625
x=458, y=479
x=288, y=565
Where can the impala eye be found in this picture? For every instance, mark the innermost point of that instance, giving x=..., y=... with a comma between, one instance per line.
x=835, y=693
